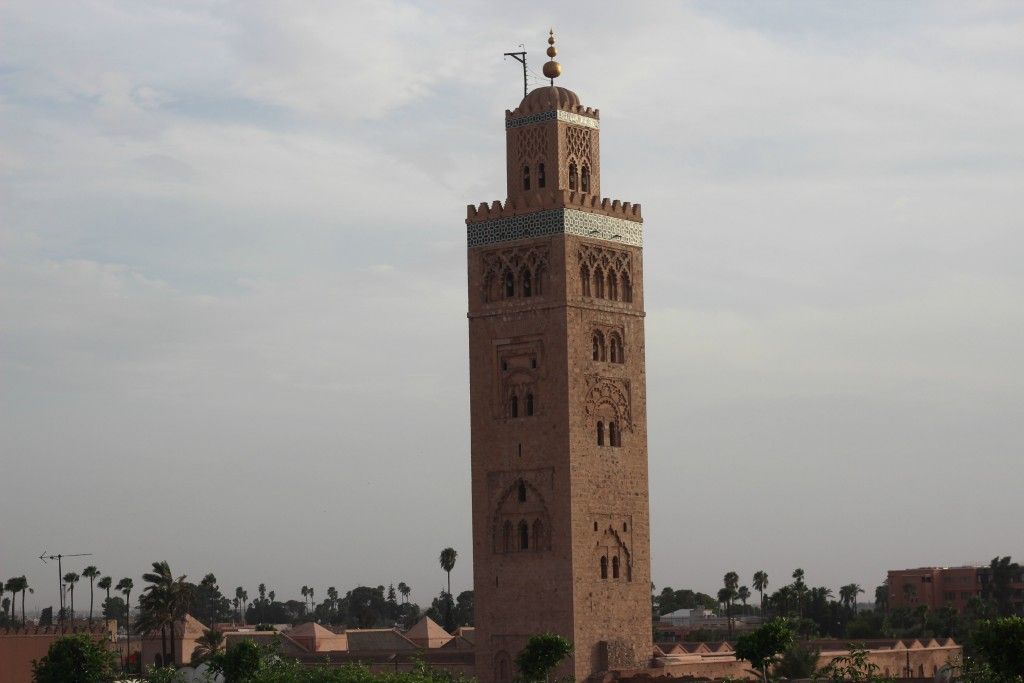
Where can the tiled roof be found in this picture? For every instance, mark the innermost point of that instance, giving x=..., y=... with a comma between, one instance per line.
x=378, y=639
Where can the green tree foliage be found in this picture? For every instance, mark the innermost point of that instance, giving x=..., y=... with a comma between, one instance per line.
x=670, y=600
x=74, y=659
x=207, y=646
x=761, y=646
x=1000, y=644
x=543, y=652
x=241, y=662
x=797, y=661
x=163, y=602
x=853, y=667
x=113, y=608
x=996, y=585
x=209, y=604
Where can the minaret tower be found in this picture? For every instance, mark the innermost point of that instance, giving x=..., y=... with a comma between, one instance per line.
x=561, y=530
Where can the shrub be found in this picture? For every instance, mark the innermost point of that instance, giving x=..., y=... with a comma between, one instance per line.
x=74, y=659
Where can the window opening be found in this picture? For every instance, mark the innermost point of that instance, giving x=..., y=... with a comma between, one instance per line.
x=600, y=433
x=522, y=491
x=615, y=567
x=604, y=567
x=585, y=179
x=572, y=175
x=541, y=178
x=529, y=404
x=526, y=177
x=585, y=279
x=510, y=285
x=524, y=535
x=527, y=285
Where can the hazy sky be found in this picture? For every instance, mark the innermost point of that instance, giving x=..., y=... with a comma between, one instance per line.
x=232, y=279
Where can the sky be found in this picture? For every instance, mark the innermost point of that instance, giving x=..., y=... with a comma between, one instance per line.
x=233, y=289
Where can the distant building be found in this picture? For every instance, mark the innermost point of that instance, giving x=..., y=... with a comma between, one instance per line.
x=936, y=587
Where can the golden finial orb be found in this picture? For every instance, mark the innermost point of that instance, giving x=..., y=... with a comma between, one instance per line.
x=552, y=69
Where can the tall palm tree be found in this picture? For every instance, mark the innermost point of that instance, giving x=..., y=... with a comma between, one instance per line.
x=124, y=586
x=743, y=593
x=800, y=588
x=105, y=584
x=91, y=573
x=23, y=582
x=71, y=579
x=164, y=601
x=447, y=560
x=404, y=589
x=240, y=603
x=760, y=584
x=305, y=595
x=11, y=586
x=262, y=590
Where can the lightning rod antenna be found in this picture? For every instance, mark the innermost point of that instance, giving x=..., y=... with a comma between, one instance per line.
x=521, y=58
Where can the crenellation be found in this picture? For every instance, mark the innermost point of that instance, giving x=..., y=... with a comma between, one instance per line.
x=537, y=201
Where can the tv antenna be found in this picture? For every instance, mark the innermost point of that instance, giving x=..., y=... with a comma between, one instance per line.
x=60, y=575
x=521, y=58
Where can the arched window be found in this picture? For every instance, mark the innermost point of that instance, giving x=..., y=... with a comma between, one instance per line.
x=585, y=279
x=526, y=177
x=627, y=289
x=625, y=527
x=615, y=567
x=522, y=491
x=595, y=526
x=604, y=567
x=616, y=352
x=538, y=281
x=538, y=534
x=599, y=347
x=541, y=178
x=598, y=283
x=527, y=284
x=600, y=433
x=506, y=536
x=524, y=535
x=513, y=406
x=613, y=286
x=572, y=175
x=585, y=179
x=510, y=284
x=614, y=439
x=529, y=404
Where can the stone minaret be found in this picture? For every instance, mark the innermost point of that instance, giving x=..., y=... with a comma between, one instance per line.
x=561, y=528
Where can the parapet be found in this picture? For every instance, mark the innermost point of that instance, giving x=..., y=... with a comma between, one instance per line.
x=551, y=98
x=556, y=199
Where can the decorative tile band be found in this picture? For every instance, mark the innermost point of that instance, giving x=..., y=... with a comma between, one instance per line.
x=555, y=222
x=567, y=116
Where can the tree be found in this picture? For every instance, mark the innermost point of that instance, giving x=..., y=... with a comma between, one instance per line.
x=447, y=560
x=760, y=584
x=799, y=588
x=998, y=589
x=207, y=645
x=23, y=583
x=91, y=573
x=882, y=596
x=163, y=602
x=404, y=589
x=71, y=579
x=743, y=594
x=11, y=586
x=761, y=646
x=1000, y=643
x=797, y=661
x=240, y=597
x=105, y=584
x=855, y=667
x=74, y=659
x=125, y=586
x=239, y=663
x=543, y=652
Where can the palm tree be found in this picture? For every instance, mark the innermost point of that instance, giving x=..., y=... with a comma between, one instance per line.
x=90, y=572
x=447, y=560
x=743, y=593
x=71, y=579
x=404, y=589
x=104, y=584
x=800, y=588
x=5, y=603
x=240, y=604
x=23, y=582
x=312, y=603
x=262, y=590
x=11, y=587
x=124, y=586
x=305, y=595
x=332, y=597
x=760, y=583
x=164, y=601
x=882, y=596
x=207, y=645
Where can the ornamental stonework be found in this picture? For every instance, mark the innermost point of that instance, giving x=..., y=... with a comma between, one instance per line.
x=555, y=222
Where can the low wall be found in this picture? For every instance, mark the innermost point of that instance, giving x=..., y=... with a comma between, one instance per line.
x=18, y=647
